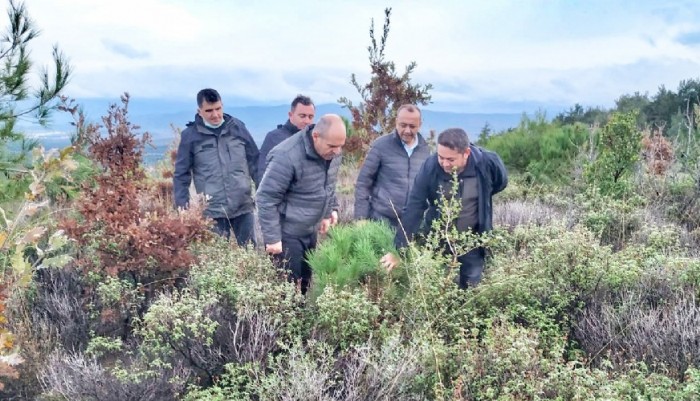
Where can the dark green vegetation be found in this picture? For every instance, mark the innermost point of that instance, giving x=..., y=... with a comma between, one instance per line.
x=590, y=292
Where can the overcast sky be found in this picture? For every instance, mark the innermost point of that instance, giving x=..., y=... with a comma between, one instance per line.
x=480, y=56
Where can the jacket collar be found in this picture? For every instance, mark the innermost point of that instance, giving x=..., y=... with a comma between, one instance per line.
x=288, y=126
x=308, y=142
x=199, y=124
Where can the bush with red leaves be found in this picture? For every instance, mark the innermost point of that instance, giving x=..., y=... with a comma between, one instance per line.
x=123, y=228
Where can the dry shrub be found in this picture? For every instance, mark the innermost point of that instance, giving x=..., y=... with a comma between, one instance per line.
x=76, y=377
x=345, y=189
x=517, y=212
x=312, y=371
x=657, y=152
x=121, y=227
x=656, y=322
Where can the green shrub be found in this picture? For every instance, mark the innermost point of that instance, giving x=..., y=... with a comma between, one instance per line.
x=251, y=287
x=179, y=326
x=506, y=363
x=344, y=317
x=544, y=151
x=613, y=220
x=680, y=198
x=619, y=147
x=390, y=370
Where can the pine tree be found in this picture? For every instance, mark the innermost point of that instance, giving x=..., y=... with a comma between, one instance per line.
x=17, y=98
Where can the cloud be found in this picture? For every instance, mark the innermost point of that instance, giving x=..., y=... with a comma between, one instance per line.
x=689, y=38
x=476, y=54
x=124, y=49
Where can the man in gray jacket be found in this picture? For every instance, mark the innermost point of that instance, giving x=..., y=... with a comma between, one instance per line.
x=391, y=165
x=218, y=152
x=296, y=196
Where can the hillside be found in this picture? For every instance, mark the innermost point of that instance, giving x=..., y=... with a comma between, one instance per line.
x=156, y=117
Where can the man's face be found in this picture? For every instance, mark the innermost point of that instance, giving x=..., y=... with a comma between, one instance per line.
x=452, y=160
x=331, y=145
x=212, y=113
x=302, y=115
x=408, y=125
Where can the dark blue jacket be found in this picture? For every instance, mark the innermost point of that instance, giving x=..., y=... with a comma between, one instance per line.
x=272, y=139
x=222, y=167
x=492, y=178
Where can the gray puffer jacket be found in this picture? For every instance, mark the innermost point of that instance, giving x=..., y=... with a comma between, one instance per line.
x=222, y=167
x=297, y=190
x=387, y=176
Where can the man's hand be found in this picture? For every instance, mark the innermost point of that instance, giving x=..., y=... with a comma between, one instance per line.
x=334, y=217
x=274, y=249
x=389, y=261
x=325, y=225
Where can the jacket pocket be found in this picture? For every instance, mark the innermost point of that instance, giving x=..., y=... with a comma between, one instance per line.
x=238, y=162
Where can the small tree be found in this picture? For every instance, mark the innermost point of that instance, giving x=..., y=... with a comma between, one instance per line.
x=382, y=95
x=619, y=148
x=17, y=99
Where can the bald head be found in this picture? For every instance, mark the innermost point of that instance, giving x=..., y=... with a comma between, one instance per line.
x=329, y=136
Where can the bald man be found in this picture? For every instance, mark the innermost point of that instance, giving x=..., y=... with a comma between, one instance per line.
x=296, y=197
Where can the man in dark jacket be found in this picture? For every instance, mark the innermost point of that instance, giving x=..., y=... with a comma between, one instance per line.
x=481, y=175
x=390, y=168
x=296, y=196
x=218, y=152
x=301, y=114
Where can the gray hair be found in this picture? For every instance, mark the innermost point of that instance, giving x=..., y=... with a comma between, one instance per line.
x=325, y=123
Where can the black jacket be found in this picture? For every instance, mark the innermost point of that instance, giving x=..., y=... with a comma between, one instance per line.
x=222, y=167
x=272, y=139
x=297, y=190
x=387, y=176
x=492, y=178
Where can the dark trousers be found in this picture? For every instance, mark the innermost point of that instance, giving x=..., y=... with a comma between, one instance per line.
x=243, y=227
x=471, y=267
x=293, y=259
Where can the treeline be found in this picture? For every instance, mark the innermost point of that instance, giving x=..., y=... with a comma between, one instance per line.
x=555, y=151
x=671, y=112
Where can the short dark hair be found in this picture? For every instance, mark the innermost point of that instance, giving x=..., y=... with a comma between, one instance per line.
x=455, y=139
x=305, y=100
x=207, y=95
x=410, y=108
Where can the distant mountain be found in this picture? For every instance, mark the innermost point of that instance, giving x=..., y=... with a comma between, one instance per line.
x=157, y=116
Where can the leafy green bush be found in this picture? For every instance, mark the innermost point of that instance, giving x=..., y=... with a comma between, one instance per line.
x=613, y=220
x=180, y=325
x=344, y=317
x=619, y=147
x=544, y=151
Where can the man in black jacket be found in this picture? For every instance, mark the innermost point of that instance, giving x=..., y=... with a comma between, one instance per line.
x=390, y=168
x=296, y=198
x=481, y=175
x=301, y=114
x=218, y=152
